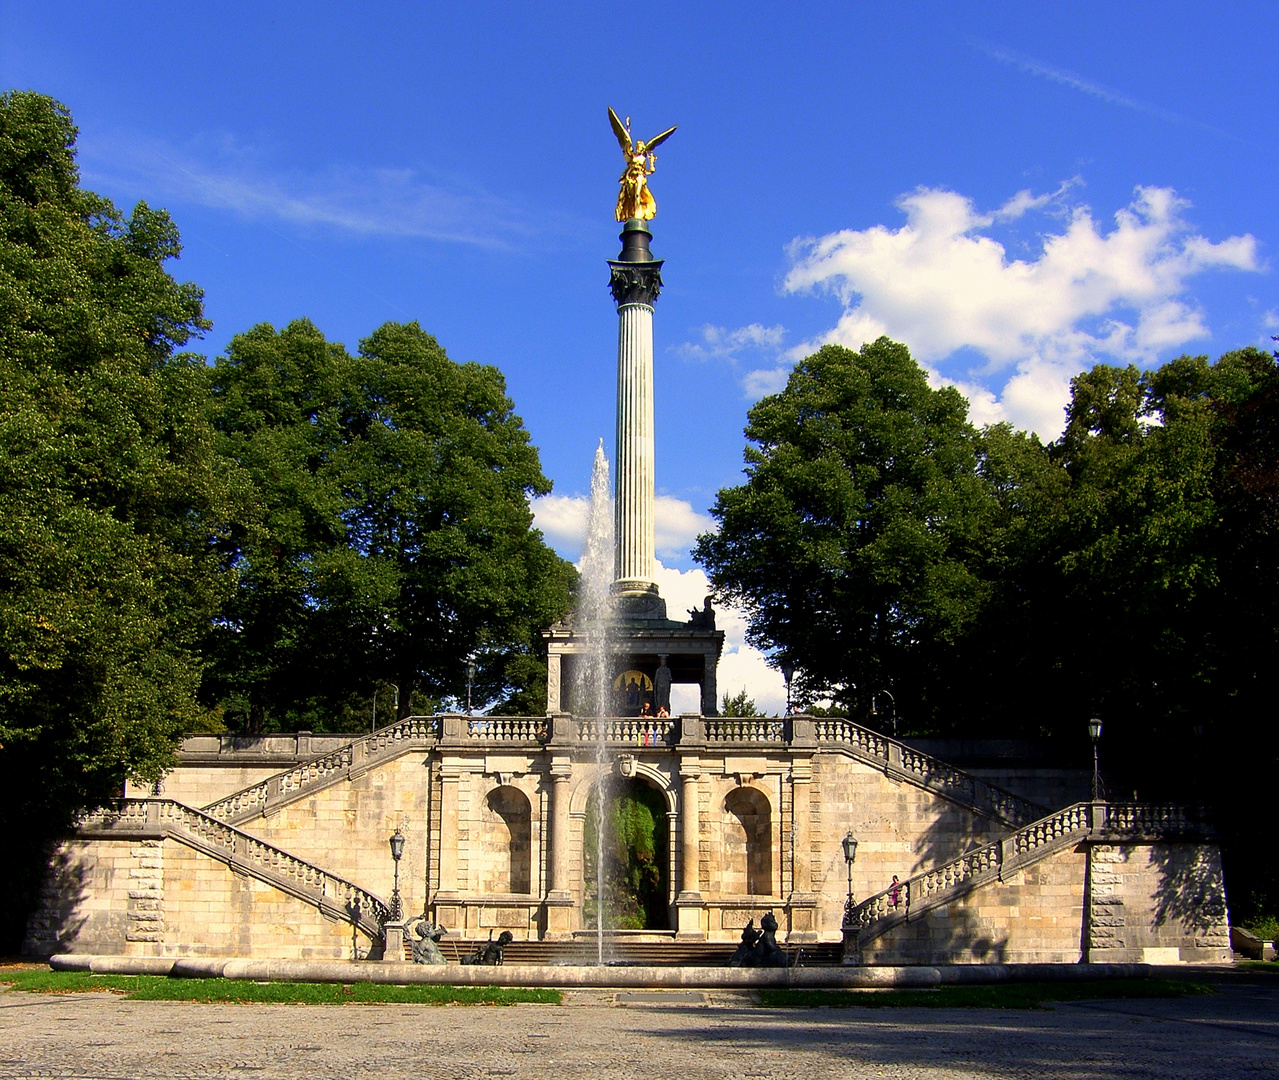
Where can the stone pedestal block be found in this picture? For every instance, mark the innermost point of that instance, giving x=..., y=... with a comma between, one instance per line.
x=690, y=917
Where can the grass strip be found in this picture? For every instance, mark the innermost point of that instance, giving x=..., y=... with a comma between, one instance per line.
x=1020, y=995
x=1253, y=966
x=164, y=988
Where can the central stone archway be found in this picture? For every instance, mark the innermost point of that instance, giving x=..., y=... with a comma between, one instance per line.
x=636, y=856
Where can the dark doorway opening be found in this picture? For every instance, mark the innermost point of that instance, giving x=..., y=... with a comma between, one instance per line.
x=636, y=856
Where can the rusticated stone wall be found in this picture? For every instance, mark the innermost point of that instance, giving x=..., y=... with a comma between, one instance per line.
x=158, y=897
x=1157, y=903
x=760, y=822
x=1035, y=916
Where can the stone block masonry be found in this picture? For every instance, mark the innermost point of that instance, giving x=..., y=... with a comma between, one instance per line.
x=494, y=811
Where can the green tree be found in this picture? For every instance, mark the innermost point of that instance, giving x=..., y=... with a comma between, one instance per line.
x=856, y=544
x=394, y=486
x=1167, y=612
x=109, y=493
x=1129, y=570
x=742, y=705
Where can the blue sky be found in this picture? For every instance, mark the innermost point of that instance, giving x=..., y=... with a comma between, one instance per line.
x=1015, y=190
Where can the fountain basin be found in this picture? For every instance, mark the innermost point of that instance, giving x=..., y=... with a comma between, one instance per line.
x=566, y=977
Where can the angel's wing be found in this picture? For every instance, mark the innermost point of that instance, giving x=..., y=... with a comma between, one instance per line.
x=619, y=129
x=654, y=143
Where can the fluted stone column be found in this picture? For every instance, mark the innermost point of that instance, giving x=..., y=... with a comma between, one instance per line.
x=688, y=903
x=802, y=904
x=450, y=775
x=559, y=901
x=636, y=281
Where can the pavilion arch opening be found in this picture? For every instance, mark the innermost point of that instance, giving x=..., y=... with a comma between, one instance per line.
x=748, y=844
x=506, y=841
x=636, y=856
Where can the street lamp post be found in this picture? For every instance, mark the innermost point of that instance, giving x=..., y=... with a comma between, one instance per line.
x=788, y=673
x=470, y=678
x=875, y=712
x=849, y=844
x=397, y=851
x=1094, y=733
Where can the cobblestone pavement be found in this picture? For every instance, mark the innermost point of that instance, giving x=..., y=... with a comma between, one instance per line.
x=600, y=1034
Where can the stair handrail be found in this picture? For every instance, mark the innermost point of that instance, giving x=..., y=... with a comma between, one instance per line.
x=1017, y=849
x=893, y=754
x=337, y=762
x=277, y=866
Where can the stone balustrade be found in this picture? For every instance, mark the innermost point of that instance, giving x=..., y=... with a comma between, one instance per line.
x=745, y=730
x=520, y=729
x=425, y=732
x=160, y=817
x=1018, y=849
x=627, y=730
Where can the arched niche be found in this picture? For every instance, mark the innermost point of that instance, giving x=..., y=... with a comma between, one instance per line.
x=747, y=855
x=505, y=854
x=636, y=847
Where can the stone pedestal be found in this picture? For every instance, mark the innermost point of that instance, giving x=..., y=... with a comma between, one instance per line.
x=393, y=949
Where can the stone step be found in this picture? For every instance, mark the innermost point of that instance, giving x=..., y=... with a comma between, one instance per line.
x=633, y=953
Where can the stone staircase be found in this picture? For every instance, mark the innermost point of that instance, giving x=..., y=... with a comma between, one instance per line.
x=346, y=763
x=1016, y=850
x=582, y=950
x=158, y=818
x=419, y=733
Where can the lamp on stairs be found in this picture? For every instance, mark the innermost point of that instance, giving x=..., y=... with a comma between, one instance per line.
x=849, y=844
x=397, y=852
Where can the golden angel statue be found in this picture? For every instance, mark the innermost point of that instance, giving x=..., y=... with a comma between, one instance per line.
x=635, y=200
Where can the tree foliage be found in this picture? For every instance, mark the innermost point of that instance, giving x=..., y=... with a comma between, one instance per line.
x=739, y=705
x=1001, y=587
x=268, y=542
x=853, y=545
x=393, y=486
x=110, y=491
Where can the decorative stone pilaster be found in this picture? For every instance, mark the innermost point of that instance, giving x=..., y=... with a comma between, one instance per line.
x=450, y=777
x=553, y=678
x=559, y=900
x=802, y=904
x=688, y=903
x=146, y=892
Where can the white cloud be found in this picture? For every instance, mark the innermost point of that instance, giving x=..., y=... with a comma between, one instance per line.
x=764, y=381
x=562, y=519
x=1270, y=320
x=940, y=284
x=720, y=343
x=740, y=665
x=224, y=175
x=678, y=525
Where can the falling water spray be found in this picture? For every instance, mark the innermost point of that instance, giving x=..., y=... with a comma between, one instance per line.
x=594, y=669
